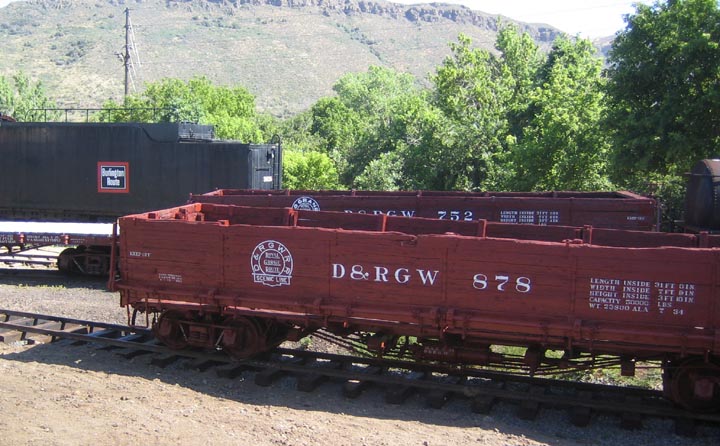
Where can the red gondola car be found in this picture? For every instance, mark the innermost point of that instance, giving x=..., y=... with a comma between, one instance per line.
x=245, y=279
x=615, y=210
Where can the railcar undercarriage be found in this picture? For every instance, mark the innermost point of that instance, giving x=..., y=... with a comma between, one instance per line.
x=692, y=382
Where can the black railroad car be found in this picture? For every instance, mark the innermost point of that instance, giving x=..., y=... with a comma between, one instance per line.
x=99, y=171
x=702, y=198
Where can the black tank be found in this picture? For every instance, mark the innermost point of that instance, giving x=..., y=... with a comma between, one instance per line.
x=702, y=199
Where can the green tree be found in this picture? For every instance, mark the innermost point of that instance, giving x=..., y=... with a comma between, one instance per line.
x=309, y=170
x=230, y=110
x=340, y=128
x=473, y=90
x=383, y=173
x=520, y=119
x=522, y=59
x=305, y=163
x=366, y=118
x=24, y=100
x=563, y=145
x=664, y=88
x=424, y=149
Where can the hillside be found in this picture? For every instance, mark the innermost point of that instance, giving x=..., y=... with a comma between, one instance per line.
x=288, y=53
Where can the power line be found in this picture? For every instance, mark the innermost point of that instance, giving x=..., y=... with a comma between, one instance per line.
x=130, y=50
x=126, y=56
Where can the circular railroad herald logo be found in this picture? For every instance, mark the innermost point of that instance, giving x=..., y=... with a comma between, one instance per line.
x=272, y=264
x=306, y=203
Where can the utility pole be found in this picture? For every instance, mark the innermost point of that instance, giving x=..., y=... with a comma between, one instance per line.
x=126, y=56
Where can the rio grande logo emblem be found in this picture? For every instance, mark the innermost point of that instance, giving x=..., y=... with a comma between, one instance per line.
x=272, y=264
x=305, y=203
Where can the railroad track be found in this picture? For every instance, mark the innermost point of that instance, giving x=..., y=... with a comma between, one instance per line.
x=49, y=276
x=45, y=261
x=400, y=379
x=38, y=257
x=44, y=274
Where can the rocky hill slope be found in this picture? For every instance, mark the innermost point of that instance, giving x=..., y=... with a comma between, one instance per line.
x=288, y=53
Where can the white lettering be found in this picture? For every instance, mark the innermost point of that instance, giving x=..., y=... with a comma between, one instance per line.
x=522, y=284
x=391, y=212
x=595, y=280
x=358, y=273
x=530, y=216
x=166, y=277
x=428, y=276
x=381, y=274
x=502, y=280
x=480, y=281
x=338, y=271
x=455, y=215
x=604, y=300
x=401, y=275
x=640, y=296
x=616, y=307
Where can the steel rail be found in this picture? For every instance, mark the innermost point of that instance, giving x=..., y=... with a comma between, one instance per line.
x=393, y=374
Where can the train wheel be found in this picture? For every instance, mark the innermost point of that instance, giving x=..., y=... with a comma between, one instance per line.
x=169, y=330
x=244, y=337
x=695, y=385
x=66, y=261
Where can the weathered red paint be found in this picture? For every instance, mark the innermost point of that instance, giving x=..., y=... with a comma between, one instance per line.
x=616, y=210
x=559, y=287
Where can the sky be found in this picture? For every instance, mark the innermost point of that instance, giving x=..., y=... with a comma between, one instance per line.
x=587, y=18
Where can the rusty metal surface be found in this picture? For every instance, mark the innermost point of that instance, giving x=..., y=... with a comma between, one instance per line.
x=617, y=210
x=562, y=294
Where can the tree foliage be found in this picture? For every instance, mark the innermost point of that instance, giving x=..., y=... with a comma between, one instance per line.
x=563, y=144
x=383, y=173
x=522, y=120
x=306, y=165
x=230, y=109
x=521, y=58
x=422, y=149
x=24, y=100
x=366, y=118
x=473, y=91
x=309, y=170
x=664, y=88
x=515, y=119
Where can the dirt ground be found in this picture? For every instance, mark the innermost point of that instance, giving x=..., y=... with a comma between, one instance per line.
x=61, y=394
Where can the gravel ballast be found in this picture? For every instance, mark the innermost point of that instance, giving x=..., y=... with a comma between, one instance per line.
x=80, y=395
